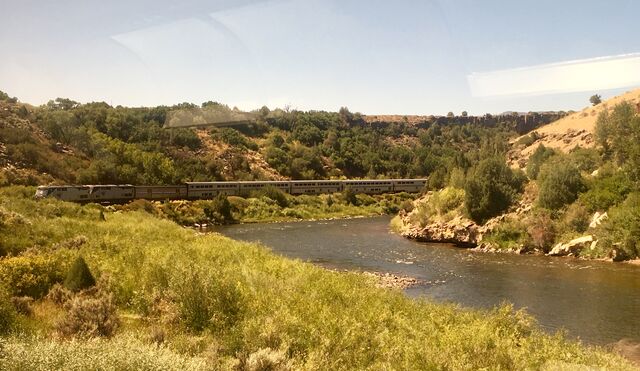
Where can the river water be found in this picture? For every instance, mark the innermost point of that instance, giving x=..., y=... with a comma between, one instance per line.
x=598, y=302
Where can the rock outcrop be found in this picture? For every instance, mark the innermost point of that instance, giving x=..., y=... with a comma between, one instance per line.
x=459, y=231
x=597, y=219
x=572, y=247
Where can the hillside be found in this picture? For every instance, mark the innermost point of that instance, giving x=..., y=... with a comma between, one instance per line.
x=94, y=143
x=571, y=131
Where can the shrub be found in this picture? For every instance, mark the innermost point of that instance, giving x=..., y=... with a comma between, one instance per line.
x=528, y=140
x=623, y=227
x=206, y=299
x=349, y=196
x=7, y=312
x=30, y=275
x=560, y=184
x=576, y=218
x=275, y=194
x=266, y=359
x=537, y=159
x=509, y=234
x=89, y=316
x=491, y=189
x=59, y=294
x=541, y=230
x=79, y=276
x=606, y=190
x=22, y=304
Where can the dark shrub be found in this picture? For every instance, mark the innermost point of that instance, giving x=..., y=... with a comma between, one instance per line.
x=79, y=276
x=491, y=188
x=349, y=196
x=275, y=194
x=542, y=231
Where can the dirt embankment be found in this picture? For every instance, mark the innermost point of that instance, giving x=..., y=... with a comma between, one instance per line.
x=574, y=130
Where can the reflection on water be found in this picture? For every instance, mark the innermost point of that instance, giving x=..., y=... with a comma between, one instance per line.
x=596, y=301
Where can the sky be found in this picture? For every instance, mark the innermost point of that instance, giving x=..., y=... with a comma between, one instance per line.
x=374, y=57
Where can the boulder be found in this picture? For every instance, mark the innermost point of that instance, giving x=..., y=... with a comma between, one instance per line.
x=460, y=231
x=571, y=247
x=597, y=219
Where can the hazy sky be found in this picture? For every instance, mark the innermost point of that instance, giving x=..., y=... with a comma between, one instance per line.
x=405, y=57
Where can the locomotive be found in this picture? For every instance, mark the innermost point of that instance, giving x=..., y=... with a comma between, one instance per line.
x=208, y=190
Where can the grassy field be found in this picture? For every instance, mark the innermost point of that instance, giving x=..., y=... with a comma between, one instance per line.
x=177, y=299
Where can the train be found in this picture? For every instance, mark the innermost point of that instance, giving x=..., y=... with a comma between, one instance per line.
x=116, y=193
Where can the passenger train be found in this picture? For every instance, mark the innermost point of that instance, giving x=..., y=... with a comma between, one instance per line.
x=207, y=190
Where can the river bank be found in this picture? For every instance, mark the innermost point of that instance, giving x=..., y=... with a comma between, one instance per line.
x=548, y=287
x=524, y=229
x=272, y=208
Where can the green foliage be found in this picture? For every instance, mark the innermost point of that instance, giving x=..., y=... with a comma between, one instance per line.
x=8, y=312
x=275, y=194
x=442, y=206
x=508, y=235
x=30, y=275
x=595, y=99
x=622, y=228
x=350, y=196
x=607, y=189
x=79, y=276
x=576, y=218
x=491, y=189
x=206, y=299
x=235, y=138
x=618, y=133
x=528, y=139
x=560, y=184
x=537, y=159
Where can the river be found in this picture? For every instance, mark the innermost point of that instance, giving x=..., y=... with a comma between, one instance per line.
x=598, y=302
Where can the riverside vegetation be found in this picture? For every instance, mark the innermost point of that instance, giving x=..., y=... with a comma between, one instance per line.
x=589, y=196
x=166, y=297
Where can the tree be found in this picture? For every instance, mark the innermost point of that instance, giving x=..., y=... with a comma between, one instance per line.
x=618, y=133
x=560, y=184
x=79, y=276
x=595, y=99
x=465, y=114
x=450, y=114
x=491, y=189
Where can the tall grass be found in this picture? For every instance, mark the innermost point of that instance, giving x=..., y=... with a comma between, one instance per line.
x=245, y=305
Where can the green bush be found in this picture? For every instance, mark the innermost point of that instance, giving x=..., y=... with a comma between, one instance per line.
x=275, y=194
x=622, y=228
x=7, y=312
x=606, y=190
x=491, y=189
x=576, y=218
x=560, y=184
x=79, y=276
x=509, y=234
x=30, y=275
x=537, y=159
x=206, y=300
